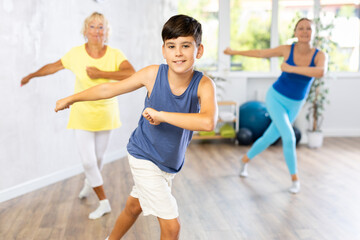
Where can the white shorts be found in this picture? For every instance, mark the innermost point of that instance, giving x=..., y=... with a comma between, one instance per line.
x=153, y=189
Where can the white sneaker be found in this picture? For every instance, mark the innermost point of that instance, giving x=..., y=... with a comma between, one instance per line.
x=243, y=171
x=104, y=208
x=295, y=187
x=86, y=190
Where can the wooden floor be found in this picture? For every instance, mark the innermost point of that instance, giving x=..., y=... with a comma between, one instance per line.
x=214, y=203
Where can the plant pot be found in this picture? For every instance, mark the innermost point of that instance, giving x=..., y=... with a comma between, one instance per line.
x=315, y=139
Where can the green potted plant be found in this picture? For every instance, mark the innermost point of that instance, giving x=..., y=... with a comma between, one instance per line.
x=317, y=98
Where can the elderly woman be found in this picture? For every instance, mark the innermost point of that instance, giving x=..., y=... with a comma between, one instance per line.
x=285, y=98
x=92, y=63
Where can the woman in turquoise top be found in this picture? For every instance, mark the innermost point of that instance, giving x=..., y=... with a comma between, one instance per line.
x=287, y=95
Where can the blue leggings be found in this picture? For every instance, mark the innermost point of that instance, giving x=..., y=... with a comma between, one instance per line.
x=283, y=111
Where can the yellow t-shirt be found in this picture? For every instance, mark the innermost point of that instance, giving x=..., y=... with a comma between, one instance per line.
x=93, y=115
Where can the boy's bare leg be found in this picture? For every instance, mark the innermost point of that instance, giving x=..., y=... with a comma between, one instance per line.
x=170, y=229
x=126, y=218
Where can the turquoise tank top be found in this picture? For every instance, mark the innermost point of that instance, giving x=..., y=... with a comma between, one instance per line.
x=292, y=85
x=164, y=144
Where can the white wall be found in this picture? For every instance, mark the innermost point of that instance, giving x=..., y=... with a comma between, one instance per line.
x=342, y=116
x=36, y=149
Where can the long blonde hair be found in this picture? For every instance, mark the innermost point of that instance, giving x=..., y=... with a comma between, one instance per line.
x=99, y=17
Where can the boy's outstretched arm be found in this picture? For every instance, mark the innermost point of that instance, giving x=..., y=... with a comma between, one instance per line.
x=109, y=90
x=203, y=121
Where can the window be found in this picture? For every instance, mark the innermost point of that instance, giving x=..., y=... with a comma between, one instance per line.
x=251, y=26
x=250, y=29
x=206, y=12
x=344, y=14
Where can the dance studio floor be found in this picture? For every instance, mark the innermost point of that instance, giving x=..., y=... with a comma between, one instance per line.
x=214, y=202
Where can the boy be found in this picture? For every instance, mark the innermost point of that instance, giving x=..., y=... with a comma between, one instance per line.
x=172, y=112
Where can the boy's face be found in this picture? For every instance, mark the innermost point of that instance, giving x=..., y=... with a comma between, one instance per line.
x=180, y=53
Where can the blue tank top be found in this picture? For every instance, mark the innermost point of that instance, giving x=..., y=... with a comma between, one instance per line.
x=164, y=144
x=292, y=85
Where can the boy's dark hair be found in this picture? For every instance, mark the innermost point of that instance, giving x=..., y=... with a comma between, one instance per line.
x=182, y=26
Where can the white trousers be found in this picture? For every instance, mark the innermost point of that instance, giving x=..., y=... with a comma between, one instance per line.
x=92, y=147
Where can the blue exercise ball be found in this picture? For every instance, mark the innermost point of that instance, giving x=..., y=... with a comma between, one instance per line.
x=255, y=117
x=244, y=136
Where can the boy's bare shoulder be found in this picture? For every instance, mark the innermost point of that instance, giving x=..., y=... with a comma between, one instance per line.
x=206, y=80
x=151, y=69
x=147, y=75
x=206, y=84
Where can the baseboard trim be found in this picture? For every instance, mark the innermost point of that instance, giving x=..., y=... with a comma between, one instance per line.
x=341, y=132
x=47, y=180
x=333, y=133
